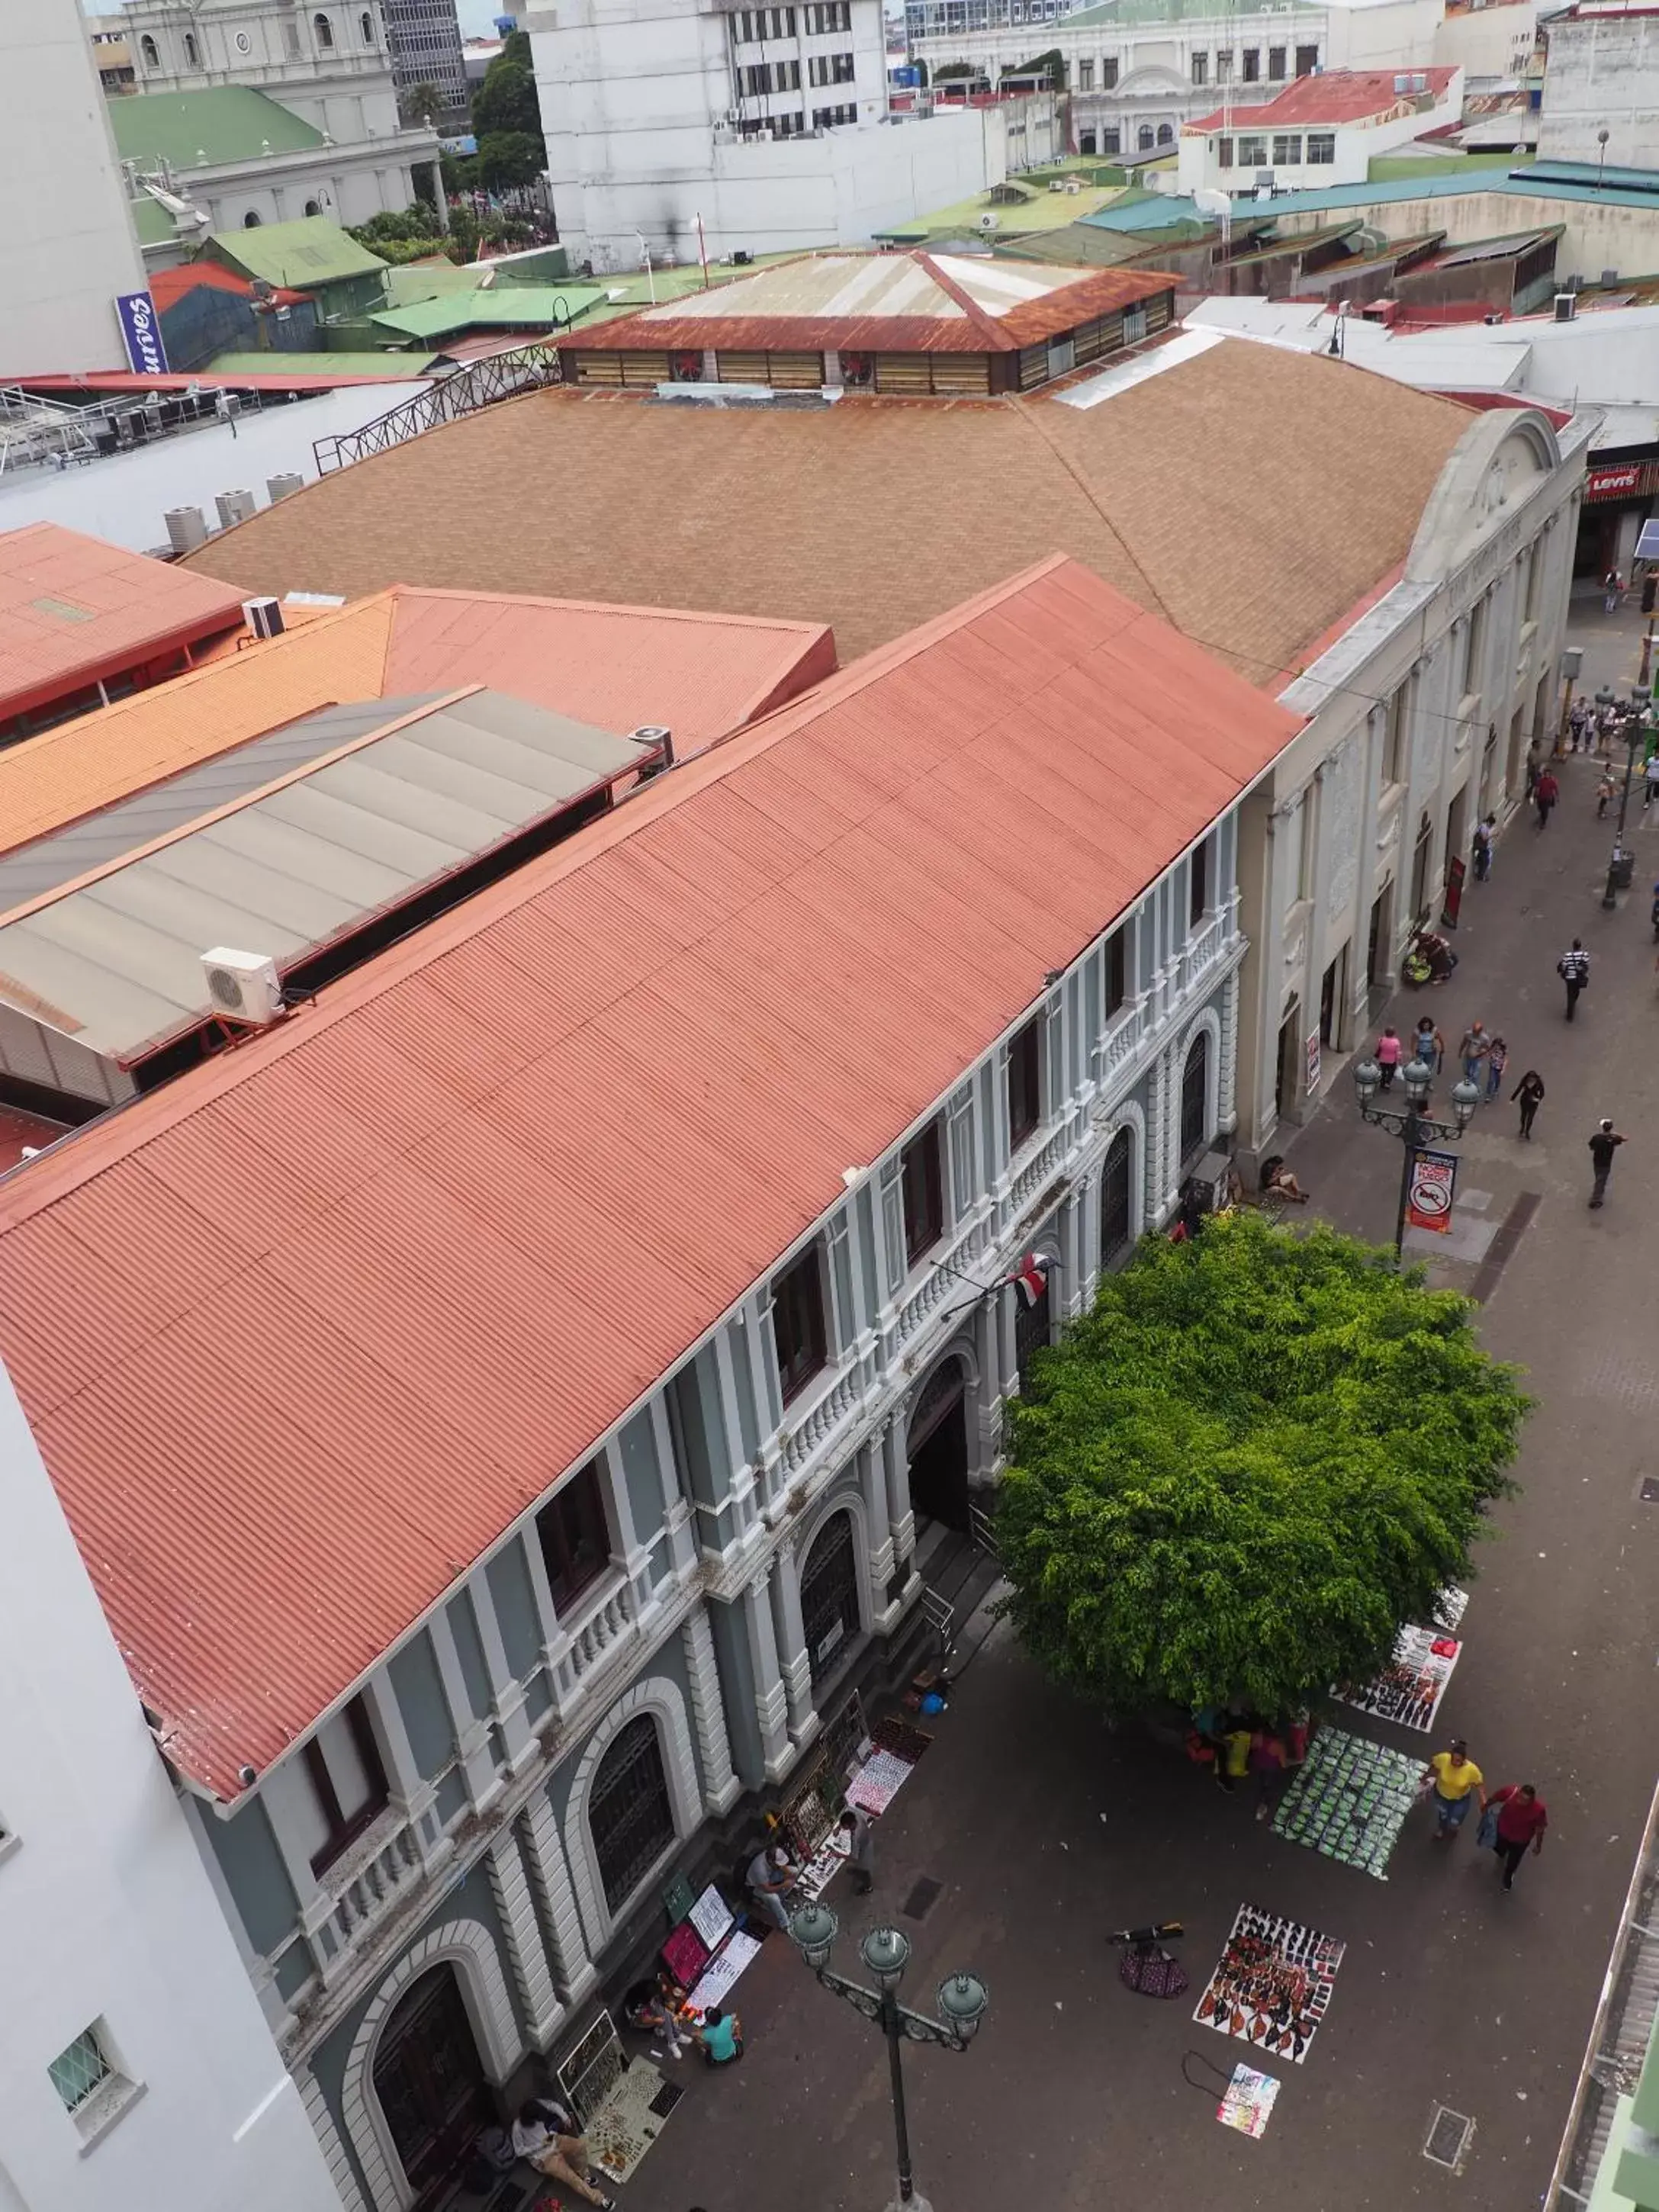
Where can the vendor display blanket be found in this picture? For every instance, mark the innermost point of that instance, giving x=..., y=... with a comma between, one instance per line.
x=629, y=2121
x=1273, y=1983
x=1410, y=1687
x=878, y=1781
x=723, y=1970
x=1349, y=1800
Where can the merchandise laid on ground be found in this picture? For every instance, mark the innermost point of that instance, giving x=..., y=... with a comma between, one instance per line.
x=1349, y=1800
x=622, y=2102
x=1248, y=2102
x=1410, y=1688
x=882, y=1763
x=1273, y=1983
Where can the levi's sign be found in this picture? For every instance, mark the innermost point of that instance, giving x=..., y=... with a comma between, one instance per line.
x=1612, y=484
x=146, y=354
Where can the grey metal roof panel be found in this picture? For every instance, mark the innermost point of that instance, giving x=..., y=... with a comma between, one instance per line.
x=118, y=961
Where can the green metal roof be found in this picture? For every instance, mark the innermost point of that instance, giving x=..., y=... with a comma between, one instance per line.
x=152, y=222
x=501, y=307
x=1522, y=183
x=201, y=130
x=312, y=251
x=398, y=367
x=426, y=280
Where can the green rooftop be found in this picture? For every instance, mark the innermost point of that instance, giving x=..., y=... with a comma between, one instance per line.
x=1038, y=209
x=499, y=308
x=205, y=130
x=151, y=222
x=312, y=251
x=398, y=367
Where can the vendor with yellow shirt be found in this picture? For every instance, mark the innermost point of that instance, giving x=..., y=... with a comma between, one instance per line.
x=1456, y=1780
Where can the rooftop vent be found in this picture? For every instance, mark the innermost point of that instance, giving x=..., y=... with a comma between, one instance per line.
x=263, y=617
x=284, y=486
x=235, y=507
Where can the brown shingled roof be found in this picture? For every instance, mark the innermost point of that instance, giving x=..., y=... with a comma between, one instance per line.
x=1250, y=495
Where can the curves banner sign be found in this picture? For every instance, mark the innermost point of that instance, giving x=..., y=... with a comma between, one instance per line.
x=141, y=332
x=1433, y=1186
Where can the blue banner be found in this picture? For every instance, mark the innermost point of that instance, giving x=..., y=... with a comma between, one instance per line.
x=141, y=327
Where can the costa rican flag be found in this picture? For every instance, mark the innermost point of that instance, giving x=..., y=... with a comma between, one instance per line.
x=1030, y=1278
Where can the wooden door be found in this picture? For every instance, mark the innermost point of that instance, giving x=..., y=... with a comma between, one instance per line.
x=430, y=2082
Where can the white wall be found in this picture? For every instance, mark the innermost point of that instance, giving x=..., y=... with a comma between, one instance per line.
x=1395, y=34
x=107, y=1914
x=1489, y=45
x=1358, y=144
x=70, y=248
x=1602, y=73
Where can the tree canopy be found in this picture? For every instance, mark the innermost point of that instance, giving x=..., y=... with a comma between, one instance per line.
x=505, y=102
x=1254, y=1459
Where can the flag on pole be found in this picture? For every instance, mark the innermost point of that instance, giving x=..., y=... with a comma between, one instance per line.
x=1030, y=1278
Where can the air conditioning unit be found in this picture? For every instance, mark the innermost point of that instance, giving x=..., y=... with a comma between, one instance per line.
x=243, y=986
x=263, y=617
x=990, y=222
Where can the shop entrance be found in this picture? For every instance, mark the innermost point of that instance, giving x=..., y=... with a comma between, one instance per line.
x=1420, y=916
x=430, y=2082
x=1333, y=993
x=1289, y=1066
x=1456, y=824
x=938, y=1448
x=1378, y=942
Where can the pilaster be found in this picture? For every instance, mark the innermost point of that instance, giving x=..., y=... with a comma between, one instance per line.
x=873, y=1482
x=526, y=1953
x=335, y=2156
x=506, y=1691
x=551, y=1885
x=900, y=1517
x=792, y=1641
x=771, y=1699
x=1227, y=1073
x=483, y=1784
x=720, y=1786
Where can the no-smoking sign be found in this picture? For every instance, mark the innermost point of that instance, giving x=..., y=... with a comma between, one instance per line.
x=1433, y=1184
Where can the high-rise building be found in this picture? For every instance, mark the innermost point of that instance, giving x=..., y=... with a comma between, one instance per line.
x=62, y=271
x=425, y=38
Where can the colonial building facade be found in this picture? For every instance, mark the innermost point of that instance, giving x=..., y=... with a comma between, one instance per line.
x=440, y=1875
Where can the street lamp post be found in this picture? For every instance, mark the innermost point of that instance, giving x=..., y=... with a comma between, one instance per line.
x=1413, y=1128
x=1619, y=865
x=886, y=1953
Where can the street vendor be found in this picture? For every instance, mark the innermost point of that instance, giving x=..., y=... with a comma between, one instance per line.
x=860, y=1846
x=772, y=1874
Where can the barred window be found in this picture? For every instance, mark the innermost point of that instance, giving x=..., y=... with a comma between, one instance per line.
x=629, y=1814
x=1116, y=1217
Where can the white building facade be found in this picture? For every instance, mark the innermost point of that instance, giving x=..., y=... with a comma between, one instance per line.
x=60, y=277
x=1419, y=719
x=769, y=123
x=134, y=2066
x=1324, y=132
x=1600, y=87
x=331, y=65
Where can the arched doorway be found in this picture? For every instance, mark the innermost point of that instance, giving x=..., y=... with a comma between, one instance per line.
x=1116, y=1199
x=939, y=1447
x=1195, y=1097
x=829, y=1594
x=430, y=2082
x=631, y=1814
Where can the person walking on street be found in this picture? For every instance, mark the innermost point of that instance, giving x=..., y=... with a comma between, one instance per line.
x=771, y=1871
x=1388, y=1056
x=1602, y=1146
x=1522, y=1817
x=1455, y=1779
x=1573, y=969
x=1472, y=1050
x=1268, y=1760
x=1497, y=1059
x=1606, y=790
x=1483, y=847
x=1650, y=779
x=1613, y=590
x=1429, y=1045
x=1546, y=791
x=1535, y=766
x=856, y=1833
x=1530, y=1092
x=1577, y=721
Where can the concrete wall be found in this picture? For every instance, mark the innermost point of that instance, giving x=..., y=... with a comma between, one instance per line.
x=1489, y=45
x=108, y=1917
x=70, y=249
x=1599, y=233
x=1602, y=74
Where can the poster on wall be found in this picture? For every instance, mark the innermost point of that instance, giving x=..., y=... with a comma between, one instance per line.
x=1433, y=1187
x=1313, y=1063
x=1457, y=869
x=141, y=332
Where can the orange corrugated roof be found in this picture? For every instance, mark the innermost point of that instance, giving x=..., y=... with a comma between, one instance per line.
x=615, y=666
x=1333, y=96
x=259, y=1318
x=73, y=609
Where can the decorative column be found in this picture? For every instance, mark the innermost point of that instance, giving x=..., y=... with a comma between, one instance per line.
x=771, y=1699
x=873, y=1482
x=1227, y=1074
x=517, y=1735
x=328, y=2136
x=526, y=1953
x=804, y=1721
x=900, y=1517
x=1071, y=1249
x=549, y=1883
x=721, y=1785
x=483, y=1784
x=676, y=1513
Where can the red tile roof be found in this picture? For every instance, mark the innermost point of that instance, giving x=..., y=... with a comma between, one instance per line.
x=73, y=609
x=260, y=1317
x=169, y=286
x=1338, y=96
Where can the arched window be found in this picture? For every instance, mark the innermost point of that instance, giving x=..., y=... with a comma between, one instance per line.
x=192, y=59
x=830, y=1594
x=1166, y=134
x=250, y=221
x=1116, y=1212
x=366, y=22
x=149, y=51
x=629, y=1812
x=324, y=31
x=1195, y=1097
x=1145, y=138
x=312, y=208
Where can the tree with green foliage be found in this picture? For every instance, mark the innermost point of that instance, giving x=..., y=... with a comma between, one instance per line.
x=1237, y=1477
x=422, y=103
x=510, y=158
x=505, y=104
x=1050, y=63
x=464, y=235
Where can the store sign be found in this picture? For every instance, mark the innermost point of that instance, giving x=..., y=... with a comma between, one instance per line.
x=146, y=354
x=1614, y=483
x=1433, y=1187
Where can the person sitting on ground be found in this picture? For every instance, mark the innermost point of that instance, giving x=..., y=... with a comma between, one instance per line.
x=721, y=2037
x=547, y=2137
x=1278, y=1181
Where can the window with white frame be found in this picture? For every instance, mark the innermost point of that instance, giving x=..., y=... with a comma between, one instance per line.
x=1321, y=149
x=1025, y=1082
x=1393, y=737
x=1224, y=64
x=1108, y=73
x=1201, y=69
x=90, y=2083
x=1085, y=77
x=1252, y=153
x=1275, y=65
x=348, y=1789
x=1287, y=149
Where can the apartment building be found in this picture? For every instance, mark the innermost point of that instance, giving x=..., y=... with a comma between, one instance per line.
x=540, y=1594
x=1325, y=131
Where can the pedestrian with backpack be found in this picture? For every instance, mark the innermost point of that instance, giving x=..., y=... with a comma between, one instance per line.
x=1573, y=969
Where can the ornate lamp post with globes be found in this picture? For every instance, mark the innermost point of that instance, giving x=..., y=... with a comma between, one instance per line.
x=886, y=1953
x=1413, y=1128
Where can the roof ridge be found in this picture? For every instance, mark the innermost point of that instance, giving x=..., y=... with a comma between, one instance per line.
x=986, y=325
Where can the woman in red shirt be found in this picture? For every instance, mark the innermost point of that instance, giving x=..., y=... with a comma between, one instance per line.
x=1523, y=1818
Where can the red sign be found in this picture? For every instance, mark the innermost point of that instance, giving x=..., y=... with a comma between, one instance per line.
x=1434, y=1181
x=1455, y=873
x=1614, y=483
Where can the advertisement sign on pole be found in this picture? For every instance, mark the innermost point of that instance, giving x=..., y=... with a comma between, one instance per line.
x=146, y=354
x=1313, y=1063
x=1433, y=1186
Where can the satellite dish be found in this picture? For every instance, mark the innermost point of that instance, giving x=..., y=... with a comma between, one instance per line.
x=1208, y=201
